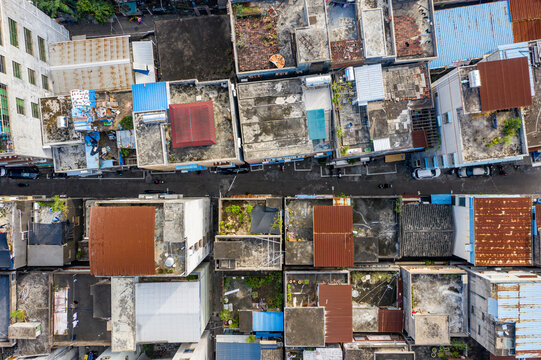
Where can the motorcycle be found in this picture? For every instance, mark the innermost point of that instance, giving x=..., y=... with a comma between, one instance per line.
x=385, y=186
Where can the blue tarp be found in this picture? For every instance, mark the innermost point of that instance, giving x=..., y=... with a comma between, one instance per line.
x=236, y=351
x=5, y=254
x=267, y=321
x=92, y=161
x=149, y=97
x=316, y=124
x=469, y=32
x=4, y=307
x=441, y=199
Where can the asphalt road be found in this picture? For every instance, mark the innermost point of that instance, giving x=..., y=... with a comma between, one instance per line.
x=272, y=180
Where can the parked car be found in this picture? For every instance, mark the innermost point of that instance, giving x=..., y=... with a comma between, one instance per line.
x=473, y=171
x=20, y=173
x=421, y=174
x=160, y=192
x=235, y=170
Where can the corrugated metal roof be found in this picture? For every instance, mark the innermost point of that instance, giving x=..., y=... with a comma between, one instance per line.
x=333, y=250
x=5, y=253
x=149, y=97
x=469, y=32
x=527, y=30
x=121, y=240
x=338, y=312
x=369, y=83
x=99, y=64
x=168, y=312
x=143, y=54
x=330, y=219
x=316, y=124
x=267, y=321
x=505, y=84
x=419, y=139
x=503, y=231
x=238, y=350
x=520, y=303
x=390, y=321
x=525, y=9
x=192, y=124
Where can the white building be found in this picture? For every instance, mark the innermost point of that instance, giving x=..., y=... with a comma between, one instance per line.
x=24, y=77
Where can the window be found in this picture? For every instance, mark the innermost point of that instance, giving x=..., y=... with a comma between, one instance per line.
x=472, y=310
x=28, y=41
x=41, y=46
x=447, y=118
x=45, y=82
x=4, y=109
x=462, y=201
x=20, y=106
x=31, y=76
x=2, y=64
x=13, y=35
x=17, y=70
x=35, y=110
x=479, y=330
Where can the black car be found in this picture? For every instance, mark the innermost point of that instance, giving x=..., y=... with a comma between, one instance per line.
x=235, y=170
x=20, y=173
x=160, y=192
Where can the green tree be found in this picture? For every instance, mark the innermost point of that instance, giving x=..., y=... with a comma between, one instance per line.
x=54, y=8
x=100, y=10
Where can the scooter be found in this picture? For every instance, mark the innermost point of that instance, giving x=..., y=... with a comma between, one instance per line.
x=22, y=185
x=385, y=186
x=158, y=181
x=502, y=170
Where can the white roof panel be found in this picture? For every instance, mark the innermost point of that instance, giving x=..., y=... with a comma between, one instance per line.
x=143, y=54
x=382, y=144
x=369, y=83
x=168, y=312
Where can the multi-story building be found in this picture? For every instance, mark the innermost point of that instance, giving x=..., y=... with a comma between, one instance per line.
x=24, y=78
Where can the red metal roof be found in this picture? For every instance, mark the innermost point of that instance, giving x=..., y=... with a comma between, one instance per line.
x=527, y=30
x=330, y=219
x=338, y=312
x=121, y=240
x=525, y=9
x=333, y=250
x=192, y=124
x=390, y=321
x=505, y=84
x=333, y=236
x=503, y=231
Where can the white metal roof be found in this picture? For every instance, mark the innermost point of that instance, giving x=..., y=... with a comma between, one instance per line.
x=382, y=144
x=369, y=83
x=168, y=312
x=143, y=54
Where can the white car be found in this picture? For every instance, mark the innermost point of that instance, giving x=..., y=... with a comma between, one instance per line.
x=421, y=174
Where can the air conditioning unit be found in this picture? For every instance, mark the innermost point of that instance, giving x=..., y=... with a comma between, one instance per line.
x=475, y=78
x=154, y=117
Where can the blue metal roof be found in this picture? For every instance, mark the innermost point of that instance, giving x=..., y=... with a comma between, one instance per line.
x=441, y=199
x=149, y=97
x=4, y=307
x=316, y=124
x=267, y=321
x=469, y=32
x=240, y=350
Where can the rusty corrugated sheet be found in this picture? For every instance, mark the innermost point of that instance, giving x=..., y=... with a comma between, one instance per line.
x=121, y=240
x=333, y=250
x=333, y=236
x=419, y=138
x=503, y=231
x=527, y=30
x=338, y=312
x=390, y=321
x=330, y=219
x=505, y=84
x=525, y=9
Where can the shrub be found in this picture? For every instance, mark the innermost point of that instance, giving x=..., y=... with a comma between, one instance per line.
x=127, y=122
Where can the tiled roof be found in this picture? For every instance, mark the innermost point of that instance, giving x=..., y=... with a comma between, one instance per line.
x=121, y=240
x=330, y=219
x=503, y=231
x=338, y=312
x=333, y=236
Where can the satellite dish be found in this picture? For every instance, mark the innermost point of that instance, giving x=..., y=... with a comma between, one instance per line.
x=169, y=261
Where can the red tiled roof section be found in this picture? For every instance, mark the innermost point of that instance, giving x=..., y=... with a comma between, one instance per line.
x=503, y=231
x=333, y=236
x=527, y=30
x=390, y=321
x=505, y=84
x=338, y=312
x=525, y=9
x=192, y=124
x=121, y=240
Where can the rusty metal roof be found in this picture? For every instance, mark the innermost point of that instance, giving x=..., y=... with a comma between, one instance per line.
x=192, y=124
x=333, y=250
x=503, y=231
x=525, y=9
x=390, y=321
x=338, y=312
x=333, y=238
x=505, y=84
x=121, y=240
x=527, y=30
x=330, y=219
